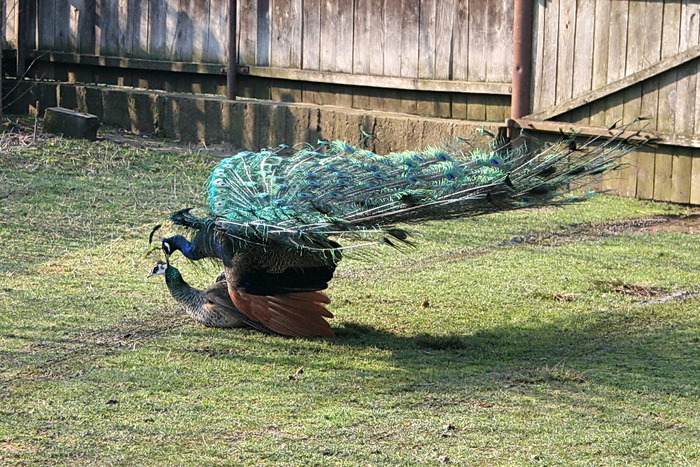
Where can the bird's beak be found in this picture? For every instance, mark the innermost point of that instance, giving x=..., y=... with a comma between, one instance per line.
x=166, y=251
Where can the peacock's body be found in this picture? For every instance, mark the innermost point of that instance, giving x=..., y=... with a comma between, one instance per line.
x=211, y=307
x=276, y=216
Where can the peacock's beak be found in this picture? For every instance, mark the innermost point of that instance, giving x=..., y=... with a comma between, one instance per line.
x=165, y=246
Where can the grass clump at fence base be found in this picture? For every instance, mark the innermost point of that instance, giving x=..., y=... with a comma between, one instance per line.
x=459, y=351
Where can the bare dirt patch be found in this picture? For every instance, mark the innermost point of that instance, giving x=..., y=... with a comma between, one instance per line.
x=585, y=231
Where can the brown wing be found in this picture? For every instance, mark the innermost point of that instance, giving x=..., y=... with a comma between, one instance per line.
x=217, y=295
x=295, y=314
x=220, y=307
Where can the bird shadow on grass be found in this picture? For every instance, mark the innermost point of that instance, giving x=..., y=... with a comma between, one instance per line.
x=613, y=350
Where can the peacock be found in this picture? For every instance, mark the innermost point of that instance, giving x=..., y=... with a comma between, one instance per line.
x=211, y=307
x=277, y=217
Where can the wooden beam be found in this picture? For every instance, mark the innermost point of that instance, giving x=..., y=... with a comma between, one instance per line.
x=293, y=74
x=663, y=139
x=412, y=84
x=649, y=72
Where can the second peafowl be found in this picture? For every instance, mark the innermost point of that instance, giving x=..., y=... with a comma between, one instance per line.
x=277, y=217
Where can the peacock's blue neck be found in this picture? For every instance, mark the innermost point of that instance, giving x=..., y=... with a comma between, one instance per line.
x=203, y=245
x=184, y=245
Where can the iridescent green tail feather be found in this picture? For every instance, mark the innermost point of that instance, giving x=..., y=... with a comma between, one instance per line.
x=300, y=195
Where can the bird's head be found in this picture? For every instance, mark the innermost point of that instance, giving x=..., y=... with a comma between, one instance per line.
x=159, y=269
x=168, y=246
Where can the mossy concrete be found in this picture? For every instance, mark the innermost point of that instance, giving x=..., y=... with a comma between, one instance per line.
x=244, y=123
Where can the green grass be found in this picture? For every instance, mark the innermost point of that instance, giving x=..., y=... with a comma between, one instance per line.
x=473, y=348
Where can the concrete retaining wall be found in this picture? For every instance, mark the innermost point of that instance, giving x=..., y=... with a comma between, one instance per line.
x=247, y=124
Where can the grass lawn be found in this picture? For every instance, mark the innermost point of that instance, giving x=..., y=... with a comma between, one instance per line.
x=565, y=336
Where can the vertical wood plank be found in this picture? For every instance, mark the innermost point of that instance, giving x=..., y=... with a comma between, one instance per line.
x=73, y=34
x=197, y=15
x=216, y=50
x=652, y=36
x=46, y=24
x=9, y=10
x=460, y=55
x=681, y=176
x=499, y=32
x=686, y=90
x=362, y=49
x=247, y=14
x=545, y=89
x=565, y=51
x=695, y=177
x=638, y=23
x=62, y=15
x=389, y=100
x=336, y=36
x=392, y=32
x=31, y=25
x=646, y=159
x=663, y=175
x=286, y=39
x=157, y=29
x=262, y=40
x=410, y=28
x=362, y=41
x=686, y=87
x=478, y=26
x=122, y=21
x=617, y=47
x=419, y=19
x=601, y=45
x=311, y=44
x=627, y=183
x=583, y=47
x=111, y=41
x=426, y=45
x=690, y=24
x=670, y=37
x=138, y=16
x=476, y=108
x=538, y=21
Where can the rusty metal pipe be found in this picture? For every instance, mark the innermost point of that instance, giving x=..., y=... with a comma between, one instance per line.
x=231, y=72
x=522, y=58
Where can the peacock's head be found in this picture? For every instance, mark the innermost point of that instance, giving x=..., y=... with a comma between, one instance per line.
x=168, y=245
x=158, y=269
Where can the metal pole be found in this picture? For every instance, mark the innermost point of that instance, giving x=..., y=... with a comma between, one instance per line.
x=231, y=81
x=522, y=58
x=21, y=36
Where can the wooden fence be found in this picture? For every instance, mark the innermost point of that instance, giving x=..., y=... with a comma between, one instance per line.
x=594, y=62
x=448, y=58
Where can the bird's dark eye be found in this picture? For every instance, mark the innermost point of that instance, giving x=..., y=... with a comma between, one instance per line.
x=166, y=247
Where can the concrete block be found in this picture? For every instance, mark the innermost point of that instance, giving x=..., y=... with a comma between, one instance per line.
x=70, y=123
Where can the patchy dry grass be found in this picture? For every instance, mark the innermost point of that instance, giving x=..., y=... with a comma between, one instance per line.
x=492, y=342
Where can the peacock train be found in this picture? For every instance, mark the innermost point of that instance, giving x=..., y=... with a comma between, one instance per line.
x=276, y=218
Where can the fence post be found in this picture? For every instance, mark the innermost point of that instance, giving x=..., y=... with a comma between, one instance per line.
x=231, y=81
x=522, y=58
x=21, y=36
